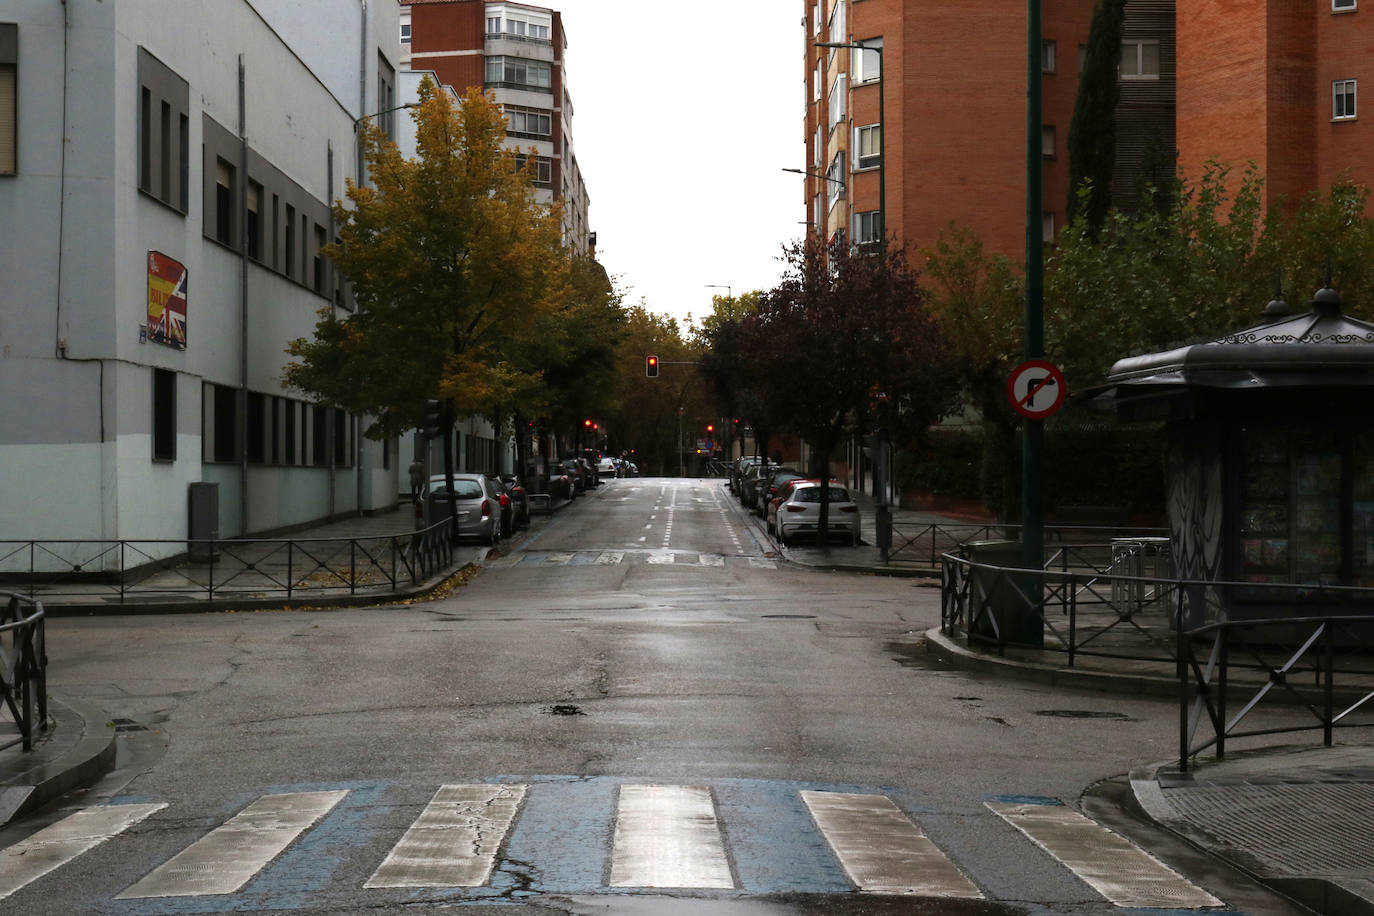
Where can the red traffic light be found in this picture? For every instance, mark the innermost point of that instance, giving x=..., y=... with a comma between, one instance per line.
x=710, y=429
x=651, y=366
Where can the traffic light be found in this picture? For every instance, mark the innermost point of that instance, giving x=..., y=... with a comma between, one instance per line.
x=651, y=366
x=429, y=423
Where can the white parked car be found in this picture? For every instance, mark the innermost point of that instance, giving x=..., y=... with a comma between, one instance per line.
x=800, y=513
x=606, y=467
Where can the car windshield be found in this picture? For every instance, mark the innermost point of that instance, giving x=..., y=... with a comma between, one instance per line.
x=466, y=489
x=813, y=495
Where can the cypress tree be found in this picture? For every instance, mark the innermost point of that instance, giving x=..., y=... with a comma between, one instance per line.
x=1092, y=132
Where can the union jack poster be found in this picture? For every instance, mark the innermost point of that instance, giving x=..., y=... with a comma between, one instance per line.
x=166, y=300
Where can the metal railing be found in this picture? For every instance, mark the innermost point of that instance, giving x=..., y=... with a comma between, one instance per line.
x=928, y=541
x=23, y=667
x=1300, y=660
x=1335, y=650
x=291, y=569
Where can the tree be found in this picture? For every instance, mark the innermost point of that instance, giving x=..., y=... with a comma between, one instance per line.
x=1092, y=131
x=976, y=299
x=843, y=342
x=725, y=358
x=648, y=418
x=454, y=267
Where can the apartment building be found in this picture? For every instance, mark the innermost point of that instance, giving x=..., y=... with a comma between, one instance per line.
x=953, y=80
x=166, y=174
x=1277, y=84
x=515, y=52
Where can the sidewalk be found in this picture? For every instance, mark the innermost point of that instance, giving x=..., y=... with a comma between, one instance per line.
x=1300, y=820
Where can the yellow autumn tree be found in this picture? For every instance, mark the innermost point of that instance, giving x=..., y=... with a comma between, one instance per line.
x=457, y=273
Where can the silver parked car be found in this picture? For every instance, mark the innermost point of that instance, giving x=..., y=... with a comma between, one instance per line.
x=479, y=505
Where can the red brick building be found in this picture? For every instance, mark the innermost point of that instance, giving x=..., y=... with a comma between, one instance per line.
x=1275, y=81
x=955, y=112
x=514, y=51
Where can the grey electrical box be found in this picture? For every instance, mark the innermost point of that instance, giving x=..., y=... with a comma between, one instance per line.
x=203, y=524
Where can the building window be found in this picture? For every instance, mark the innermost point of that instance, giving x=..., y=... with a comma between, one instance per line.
x=1047, y=141
x=9, y=98
x=838, y=32
x=867, y=65
x=868, y=146
x=493, y=26
x=386, y=96
x=290, y=430
x=254, y=220
x=1342, y=6
x=868, y=227
x=836, y=101
x=1047, y=56
x=817, y=150
x=1343, y=100
x=319, y=436
x=817, y=214
x=164, y=415
x=405, y=33
x=543, y=170
x=529, y=122
x=1140, y=60
x=257, y=431
x=164, y=132
x=224, y=202
x=289, y=268
x=321, y=239
x=519, y=71
x=1047, y=226
x=835, y=180
x=223, y=438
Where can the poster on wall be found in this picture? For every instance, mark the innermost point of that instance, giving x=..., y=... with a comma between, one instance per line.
x=166, y=300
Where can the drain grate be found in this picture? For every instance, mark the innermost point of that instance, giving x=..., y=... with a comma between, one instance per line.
x=564, y=709
x=788, y=616
x=127, y=725
x=1080, y=714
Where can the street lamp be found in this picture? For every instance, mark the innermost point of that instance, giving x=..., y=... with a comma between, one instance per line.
x=358, y=121
x=883, y=514
x=729, y=293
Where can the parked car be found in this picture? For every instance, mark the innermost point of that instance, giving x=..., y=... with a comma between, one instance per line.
x=770, y=487
x=581, y=479
x=784, y=491
x=519, y=499
x=752, y=482
x=606, y=467
x=479, y=505
x=800, y=513
x=560, y=482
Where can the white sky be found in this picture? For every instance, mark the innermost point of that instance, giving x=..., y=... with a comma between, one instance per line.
x=684, y=116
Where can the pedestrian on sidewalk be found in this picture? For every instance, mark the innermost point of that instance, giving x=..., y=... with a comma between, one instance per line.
x=417, y=478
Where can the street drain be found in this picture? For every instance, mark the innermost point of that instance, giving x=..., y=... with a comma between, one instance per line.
x=127, y=725
x=1081, y=714
x=788, y=616
x=564, y=709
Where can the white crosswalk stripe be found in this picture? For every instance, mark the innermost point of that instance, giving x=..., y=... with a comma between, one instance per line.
x=226, y=858
x=454, y=841
x=1118, y=870
x=881, y=850
x=667, y=836
x=58, y=844
x=634, y=837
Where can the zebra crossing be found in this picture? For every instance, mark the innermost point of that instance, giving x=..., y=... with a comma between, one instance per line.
x=631, y=557
x=586, y=836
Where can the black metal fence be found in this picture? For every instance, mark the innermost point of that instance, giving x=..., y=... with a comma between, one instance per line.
x=23, y=667
x=1302, y=660
x=927, y=542
x=291, y=569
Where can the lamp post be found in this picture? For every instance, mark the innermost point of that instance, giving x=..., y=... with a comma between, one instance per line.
x=1033, y=437
x=358, y=121
x=729, y=293
x=883, y=512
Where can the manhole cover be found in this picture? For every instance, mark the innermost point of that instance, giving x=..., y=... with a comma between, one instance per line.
x=789, y=616
x=564, y=709
x=127, y=725
x=1081, y=714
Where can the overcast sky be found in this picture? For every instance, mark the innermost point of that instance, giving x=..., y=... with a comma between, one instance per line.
x=684, y=117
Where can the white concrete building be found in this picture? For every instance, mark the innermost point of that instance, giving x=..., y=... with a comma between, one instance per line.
x=170, y=169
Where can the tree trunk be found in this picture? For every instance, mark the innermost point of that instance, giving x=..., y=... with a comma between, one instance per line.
x=447, y=428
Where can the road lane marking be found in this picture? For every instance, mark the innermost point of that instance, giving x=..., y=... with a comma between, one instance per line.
x=59, y=843
x=609, y=558
x=228, y=857
x=662, y=559
x=761, y=563
x=1114, y=867
x=454, y=841
x=707, y=559
x=881, y=850
x=668, y=836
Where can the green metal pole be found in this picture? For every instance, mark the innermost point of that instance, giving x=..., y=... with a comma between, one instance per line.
x=1032, y=508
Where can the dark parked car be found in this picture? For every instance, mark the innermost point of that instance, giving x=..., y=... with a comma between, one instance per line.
x=770, y=488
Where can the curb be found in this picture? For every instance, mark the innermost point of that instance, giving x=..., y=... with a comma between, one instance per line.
x=1130, y=684
x=90, y=757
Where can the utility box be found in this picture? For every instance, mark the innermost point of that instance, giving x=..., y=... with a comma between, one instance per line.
x=203, y=521
x=1013, y=599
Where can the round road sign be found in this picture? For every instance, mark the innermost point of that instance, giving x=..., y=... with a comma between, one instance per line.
x=1036, y=389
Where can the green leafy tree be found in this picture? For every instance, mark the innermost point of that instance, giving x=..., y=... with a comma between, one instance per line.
x=651, y=410
x=1092, y=131
x=453, y=266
